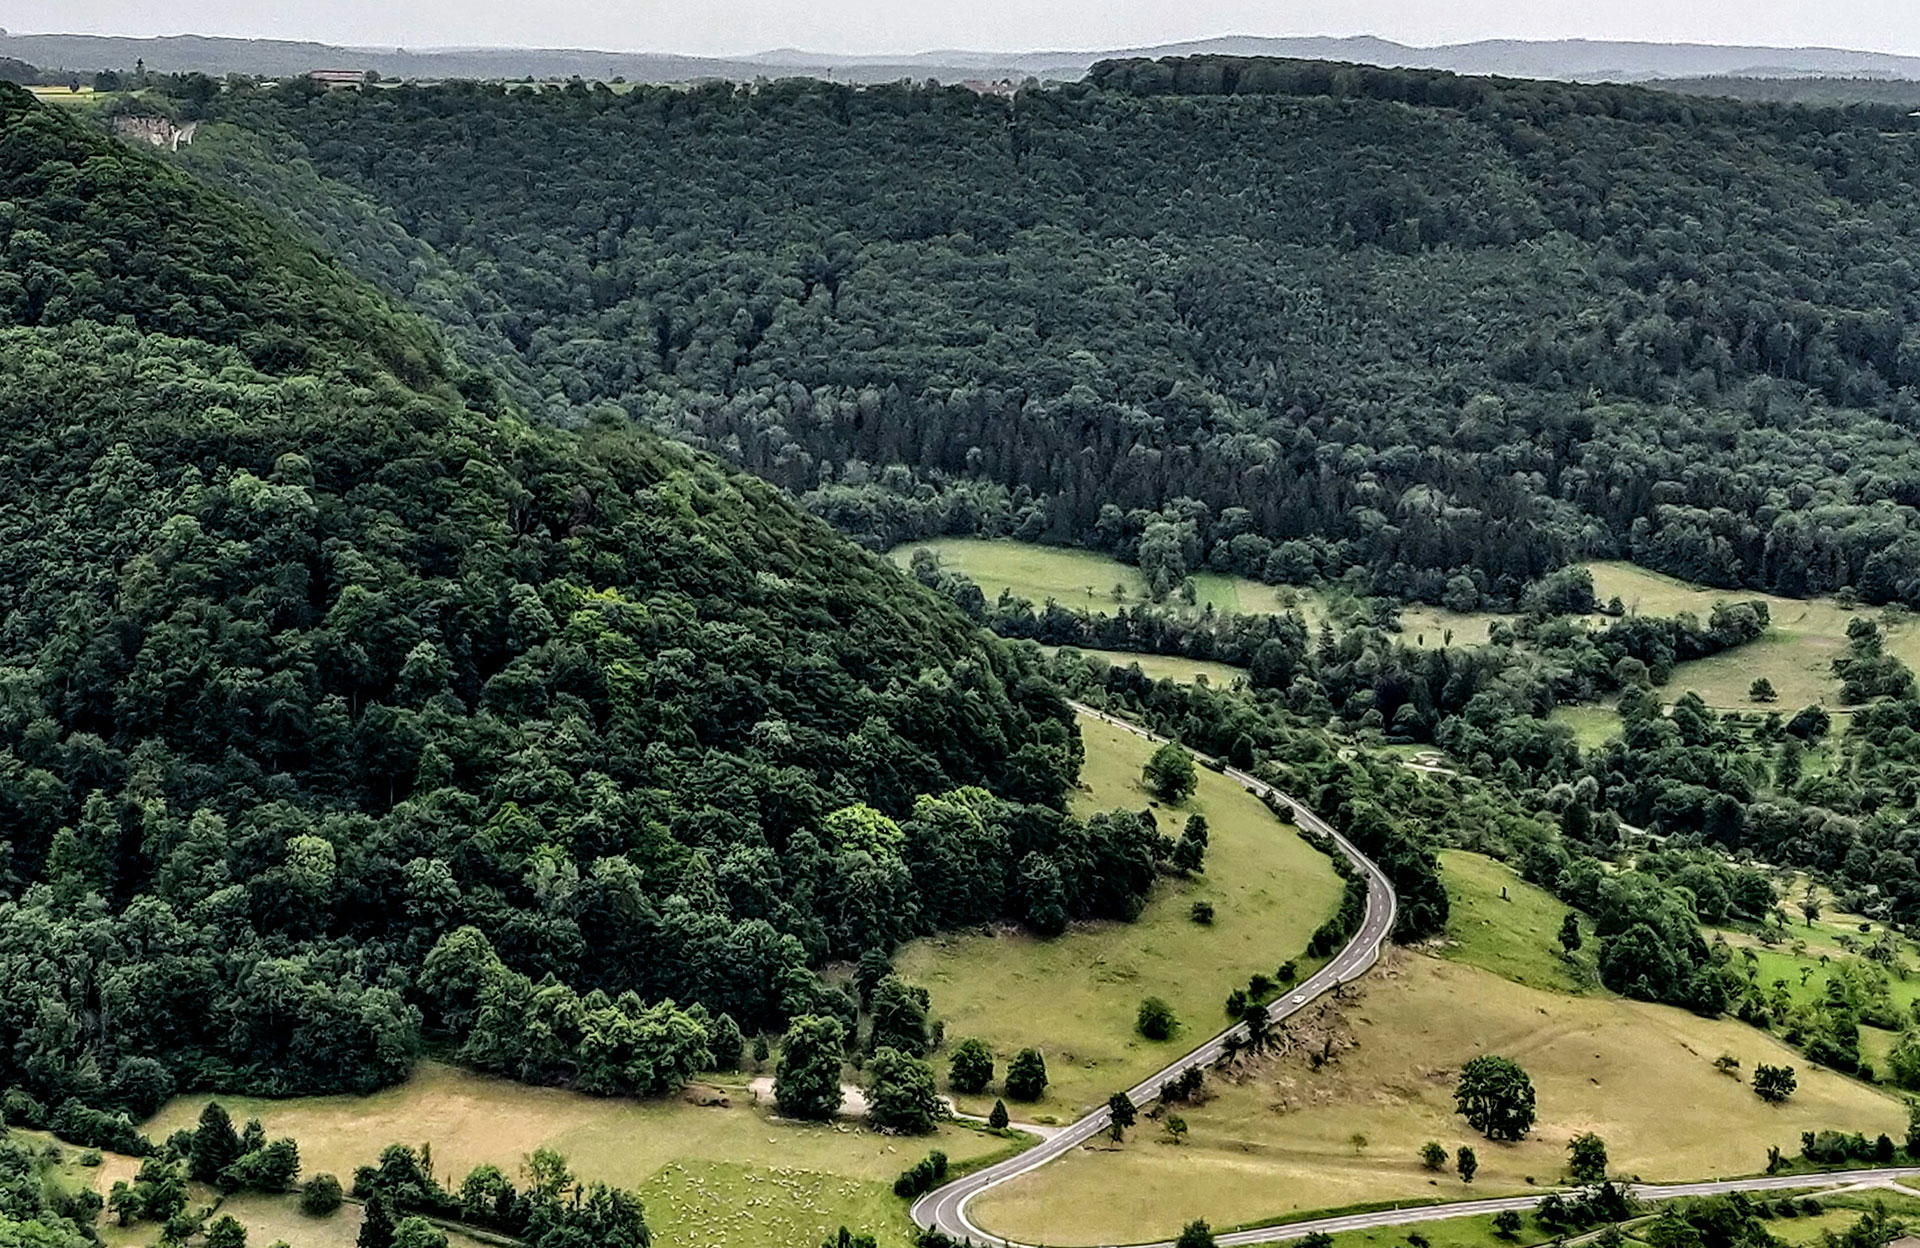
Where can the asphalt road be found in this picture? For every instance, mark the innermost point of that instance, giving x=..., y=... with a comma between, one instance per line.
x=945, y=1208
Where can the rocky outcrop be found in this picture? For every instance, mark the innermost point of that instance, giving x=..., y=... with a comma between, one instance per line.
x=159, y=131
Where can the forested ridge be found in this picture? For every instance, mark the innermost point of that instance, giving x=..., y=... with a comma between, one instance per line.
x=343, y=711
x=1275, y=317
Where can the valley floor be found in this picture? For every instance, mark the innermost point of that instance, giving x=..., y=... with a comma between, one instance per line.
x=1075, y=997
x=708, y=1174
x=1280, y=1136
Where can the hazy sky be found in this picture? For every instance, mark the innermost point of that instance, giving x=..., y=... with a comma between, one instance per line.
x=722, y=26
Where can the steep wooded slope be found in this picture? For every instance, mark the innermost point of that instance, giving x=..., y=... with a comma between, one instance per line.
x=314, y=652
x=1289, y=317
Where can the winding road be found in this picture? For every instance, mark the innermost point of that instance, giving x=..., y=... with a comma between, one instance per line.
x=945, y=1208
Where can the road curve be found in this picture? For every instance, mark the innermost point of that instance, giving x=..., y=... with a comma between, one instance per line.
x=1469, y=1208
x=945, y=1208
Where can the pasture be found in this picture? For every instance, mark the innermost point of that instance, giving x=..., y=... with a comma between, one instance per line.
x=1503, y=924
x=1169, y=667
x=1078, y=578
x=1280, y=1137
x=1075, y=997
x=1796, y=653
x=697, y=1168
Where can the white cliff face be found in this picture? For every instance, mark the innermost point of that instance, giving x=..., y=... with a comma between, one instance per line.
x=157, y=131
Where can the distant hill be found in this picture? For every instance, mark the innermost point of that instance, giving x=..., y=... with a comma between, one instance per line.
x=1826, y=92
x=1562, y=58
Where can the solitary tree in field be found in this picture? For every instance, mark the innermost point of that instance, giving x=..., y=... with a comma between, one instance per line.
x=1570, y=933
x=1156, y=1020
x=1433, y=1155
x=1466, y=1163
x=1027, y=1075
x=417, y=1232
x=1506, y=1224
x=900, y=1093
x=970, y=1069
x=1496, y=1097
x=1761, y=690
x=998, y=1118
x=1773, y=1084
x=806, y=1084
x=1195, y=1235
x=1587, y=1158
x=216, y=1145
x=1169, y=774
x=1121, y=1114
x=226, y=1232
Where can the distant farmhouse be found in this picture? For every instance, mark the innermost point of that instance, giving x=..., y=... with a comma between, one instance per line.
x=980, y=86
x=336, y=78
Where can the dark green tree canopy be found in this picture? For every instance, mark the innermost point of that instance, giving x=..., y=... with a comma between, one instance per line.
x=1496, y=1097
x=320, y=655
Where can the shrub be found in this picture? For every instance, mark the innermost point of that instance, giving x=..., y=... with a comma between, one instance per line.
x=1027, y=1075
x=925, y=1175
x=320, y=1195
x=970, y=1069
x=1195, y=1235
x=1156, y=1020
x=1773, y=1084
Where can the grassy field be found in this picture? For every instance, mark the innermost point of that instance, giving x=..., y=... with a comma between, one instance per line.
x=1451, y=1233
x=1432, y=628
x=1593, y=726
x=1282, y=1139
x=1810, y=954
x=1841, y=1212
x=1796, y=653
x=1167, y=667
x=697, y=1168
x=1075, y=997
x=83, y=94
x=1503, y=924
x=1078, y=578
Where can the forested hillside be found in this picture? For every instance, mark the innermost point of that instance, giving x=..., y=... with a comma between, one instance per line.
x=318, y=661
x=1282, y=318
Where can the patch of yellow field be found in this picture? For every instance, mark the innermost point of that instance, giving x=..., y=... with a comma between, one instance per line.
x=1075, y=997
x=1284, y=1139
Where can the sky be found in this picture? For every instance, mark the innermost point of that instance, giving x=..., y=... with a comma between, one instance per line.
x=719, y=27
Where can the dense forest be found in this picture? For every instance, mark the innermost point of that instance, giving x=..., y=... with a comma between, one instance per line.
x=319, y=661
x=353, y=679
x=1282, y=318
